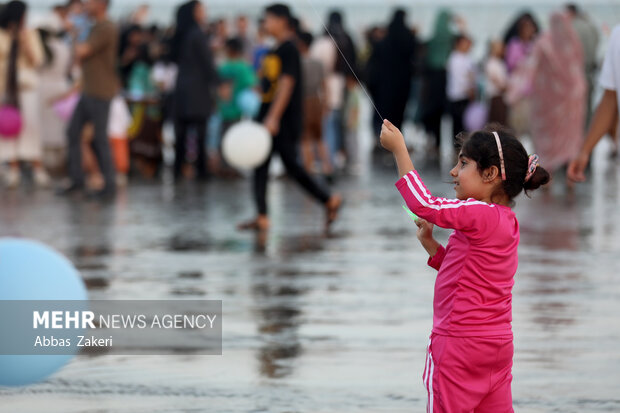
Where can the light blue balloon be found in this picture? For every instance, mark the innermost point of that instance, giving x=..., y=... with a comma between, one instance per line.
x=249, y=103
x=30, y=270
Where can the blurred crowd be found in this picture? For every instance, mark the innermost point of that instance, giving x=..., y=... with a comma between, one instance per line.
x=99, y=101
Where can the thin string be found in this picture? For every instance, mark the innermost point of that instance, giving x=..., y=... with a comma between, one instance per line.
x=345, y=59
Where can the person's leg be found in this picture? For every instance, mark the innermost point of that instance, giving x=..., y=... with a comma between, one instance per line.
x=499, y=399
x=312, y=114
x=287, y=147
x=180, y=140
x=307, y=151
x=324, y=157
x=260, y=180
x=201, y=158
x=101, y=143
x=90, y=164
x=456, y=124
x=218, y=129
x=339, y=152
x=457, y=373
x=74, y=135
x=432, y=126
x=30, y=146
x=435, y=103
x=332, y=133
x=340, y=128
x=12, y=178
x=317, y=144
x=398, y=108
x=352, y=149
x=462, y=107
x=259, y=186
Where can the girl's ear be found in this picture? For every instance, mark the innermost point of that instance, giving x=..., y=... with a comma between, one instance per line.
x=490, y=174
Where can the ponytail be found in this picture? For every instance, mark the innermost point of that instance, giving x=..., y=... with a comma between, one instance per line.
x=539, y=178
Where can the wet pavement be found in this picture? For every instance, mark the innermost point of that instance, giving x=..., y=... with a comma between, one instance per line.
x=324, y=323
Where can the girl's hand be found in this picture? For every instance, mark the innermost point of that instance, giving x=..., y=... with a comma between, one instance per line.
x=425, y=230
x=425, y=235
x=391, y=137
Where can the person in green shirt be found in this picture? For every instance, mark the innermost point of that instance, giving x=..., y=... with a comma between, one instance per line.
x=238, y=75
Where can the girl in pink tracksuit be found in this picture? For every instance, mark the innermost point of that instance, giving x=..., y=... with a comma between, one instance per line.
x=469, y=357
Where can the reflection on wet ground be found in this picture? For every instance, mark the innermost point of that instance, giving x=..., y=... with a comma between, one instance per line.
x=324, y=323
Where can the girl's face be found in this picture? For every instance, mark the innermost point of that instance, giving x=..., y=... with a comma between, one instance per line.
x=527, y=30
x=468, y=182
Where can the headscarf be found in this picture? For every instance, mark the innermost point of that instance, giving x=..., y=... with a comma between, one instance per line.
x=399, y=42
x=335, y=28
x=558, y=94
x=440, y=44
x=562, y=47
x=397, y=29
x=185, y=23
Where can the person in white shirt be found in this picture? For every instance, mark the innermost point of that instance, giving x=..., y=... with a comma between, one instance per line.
x=460, y=85
x=606, y=115
x=496, y=75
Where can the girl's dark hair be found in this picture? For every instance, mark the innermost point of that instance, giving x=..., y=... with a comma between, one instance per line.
x=481, y=147
x=513, y=29
x=11, y=17
x=12, y=14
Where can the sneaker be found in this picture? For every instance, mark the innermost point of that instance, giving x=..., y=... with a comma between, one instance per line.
x=12, y=178
x=41, y=178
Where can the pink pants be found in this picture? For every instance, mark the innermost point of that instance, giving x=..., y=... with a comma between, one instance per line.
x=468, y=374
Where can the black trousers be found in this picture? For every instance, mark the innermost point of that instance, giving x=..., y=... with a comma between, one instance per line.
x=433, y=101
x=286, y=144
x=457, y=110
x=95, y=110
x=181, y=128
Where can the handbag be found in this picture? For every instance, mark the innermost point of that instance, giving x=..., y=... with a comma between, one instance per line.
x=10, y=115
x=65, y=107
x=10, y=122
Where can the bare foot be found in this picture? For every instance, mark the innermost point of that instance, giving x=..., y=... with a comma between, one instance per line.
x=261, y=223
x=332, y=207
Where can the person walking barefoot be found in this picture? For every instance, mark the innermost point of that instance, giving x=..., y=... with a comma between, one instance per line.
x=281, y=113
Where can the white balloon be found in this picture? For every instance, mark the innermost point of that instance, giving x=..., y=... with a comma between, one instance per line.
x=246, y=145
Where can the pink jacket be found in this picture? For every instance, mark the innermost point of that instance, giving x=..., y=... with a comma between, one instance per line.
x=473, y=289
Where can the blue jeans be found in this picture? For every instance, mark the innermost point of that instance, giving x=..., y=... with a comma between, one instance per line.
x=332, y=130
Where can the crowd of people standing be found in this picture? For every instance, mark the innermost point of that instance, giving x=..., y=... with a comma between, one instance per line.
x=94, y=95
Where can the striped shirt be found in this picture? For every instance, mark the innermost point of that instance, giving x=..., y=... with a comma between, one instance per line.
x=473, y=289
